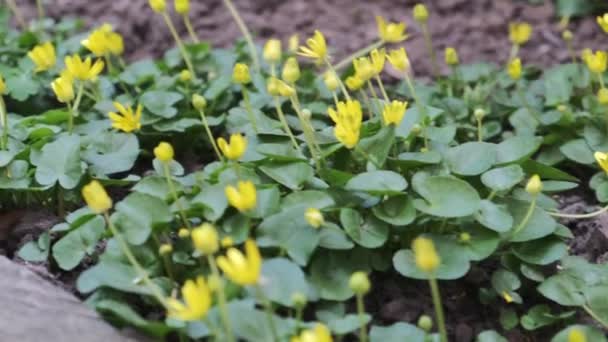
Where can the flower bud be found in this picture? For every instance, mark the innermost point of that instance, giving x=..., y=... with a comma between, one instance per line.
x=159, y=6
x=416, y=129
x=331, y=80
x=507, y=297
x=567, y=35
x=199, y=102
x=272, y=86
x=240, y=74
x=479, y=114
x=291, y=70
x=205, y=239
x=359, y=283
x=425, y=323
x=451, y=56
x=227, y=242
x=185, y=76
x=165, y=249
x=464, y=237
x=272, y=51
x=563, y=108
x=534, y=185
x=427, y=259
x=602, y=96
x=421, y=14
x=183, y=233
x=306, y=114
x=299, y=300
x=314, y=217
x=576, y=335
x=96, y=197
x=294, y=43
x=164, y=152
x=182, y=6
x=514, y=69
x=214, y=282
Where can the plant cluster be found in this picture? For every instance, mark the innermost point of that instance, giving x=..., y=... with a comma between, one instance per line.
x=248, y=198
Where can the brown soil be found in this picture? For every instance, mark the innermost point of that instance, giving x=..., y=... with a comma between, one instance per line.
x=477, y=28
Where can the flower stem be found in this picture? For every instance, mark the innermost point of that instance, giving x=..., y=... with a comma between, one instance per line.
x=346, y=61
x=514, y=51
x=269, y=313
x=374, y=95
x=74, y=111
x=210, y=135
x=361, y=314
x=17, y=13
x=156, y=291
x=526, y=218
x=368, y=157
x=281, y=116
x=182, y=213
x=342, y=87
x=438, y=309
x=420, y=106
x=479, y=130
x=308, y=133
x=191, y=31
x=382, y=90
x=221, y=299
x=180, y=44
x=581, y=216
x=4, y=123
x=245, y=32
x=571, y=51
x=429, y=46
x=595, y=316
x=40, y=9
x=248, y=108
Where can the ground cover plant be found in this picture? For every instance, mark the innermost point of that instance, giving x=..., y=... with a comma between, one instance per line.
x=267, y=194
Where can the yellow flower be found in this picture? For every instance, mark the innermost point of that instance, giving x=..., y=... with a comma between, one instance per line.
x=451, y=56
x=126, y=121
x=235, y=149
x=83, y=70
x=391, y=32
x=276, y=87
x=63, y=87
x=421, y=14
x=534, y=185
x=43, y=56
x=316, y=48
x=96, y=197
x=196, y=301
x=314, y=217
x=519, y=33
x=320, y=333
x=353, y=82
x=514, y=69
x=393, y=113
x=331, y=80
x=291, y=70
x=272, y=51
x=378, y=57
x=426, y=256
x=243, y=197
x=182, y=6
x=596, y=62
x=115, y=43
x=576, y=335
x=239, y=268
x=359, y=283
x=103, y=41
x=364, y=68
x=164, y=152
x=240, y=74
x=2, y=85
x=603, y=22
x=205, y=239
x=227, y=241
x=602, y=160
x=602, y=96
x=294, y=42
x=158, y=6
x=399, y=59
x=348, y=119
x=507, y=297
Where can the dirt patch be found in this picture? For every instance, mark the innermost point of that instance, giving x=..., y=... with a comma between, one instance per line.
x=477, y=28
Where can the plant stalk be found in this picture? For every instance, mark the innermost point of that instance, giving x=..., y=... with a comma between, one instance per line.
x=180, y=44
x=245, y=32
x=438, y=309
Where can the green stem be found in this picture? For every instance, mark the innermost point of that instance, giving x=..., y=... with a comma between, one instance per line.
x=368, y=103
x=342, y=87
x=595, y=316
x=514, y=51
x=601, y=79
x=248, y=108
x=429, y=46
x=283, y=121
x=60, y=202
x=166, y=258
x=191, y=32
x=382, y=90
x=74, y=111
x=361, y=314
x=438, y=309
x=156, y=291
x=40, y=9
x=368, y=157
x=581, y=216
x=491, y=195
x=221, y=299
x=269, y=313
x=571, y=51
x=374, y=95
x=210, y=135
x=298, y=318
x=526, y=218
x=4, y=123
x=364, y=51
x=333, y=93
x=308, y=135
x=479, y=130
x=180, y=44
x=182, y=213
x=17, y=13
x=245, y=32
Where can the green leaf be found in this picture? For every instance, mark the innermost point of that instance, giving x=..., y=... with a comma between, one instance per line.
x=505, y=281
x=348, y=323
x=283, y=278
x=516, y=149
x=161, y=103
x=213, y=200
x=494, y=216
x=482, y=244
x=140, y=72
x=139, y=214
x=331, y=270
x=379, y=182
x=73, y=247
x=508, y=318
x=307, y=199
x=490, y=336
x=591, y=334
x=111, y=153
x=446, y=196
x=415, y=159
x=59, y=161
x=397, y=210
x=333, y=237
x=126, y=314
x=154, y=186
x=369, y=232
x=578, y=151
x=546, y=172
x=558, y=87
x=537, y=317
x=36, y=251
x=293, y=175
x=503, y=178
x=540, y=224
x=378, y=146
x=541, y=252
x=471, y=158
x=21, y=86
x=454, y=261
x=398, y=332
